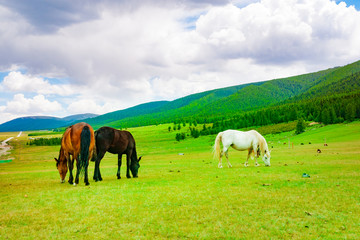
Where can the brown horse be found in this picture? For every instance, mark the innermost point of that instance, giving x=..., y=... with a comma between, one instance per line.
x=117, y=142
x=78, y=141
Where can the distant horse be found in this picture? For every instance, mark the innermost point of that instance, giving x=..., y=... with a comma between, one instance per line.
x=251, y=141
x=116, y=142
x=78, y=141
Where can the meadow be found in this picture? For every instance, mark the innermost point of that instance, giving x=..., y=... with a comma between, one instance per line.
x=181, y=194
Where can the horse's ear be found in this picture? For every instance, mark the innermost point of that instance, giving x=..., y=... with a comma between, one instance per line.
x=139, y=158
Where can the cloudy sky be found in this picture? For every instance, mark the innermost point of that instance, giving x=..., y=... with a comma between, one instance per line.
x=64, y=57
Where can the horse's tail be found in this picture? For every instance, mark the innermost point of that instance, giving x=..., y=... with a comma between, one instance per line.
x=216, y=147
x=85, y=139
x=93, y=159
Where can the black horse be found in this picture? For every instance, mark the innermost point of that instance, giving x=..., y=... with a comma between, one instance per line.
x=114, y=141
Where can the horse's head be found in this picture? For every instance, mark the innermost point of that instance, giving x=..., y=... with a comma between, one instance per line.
x=134, y=167
x=266, y=158
x=265, y=150
x=62, y=168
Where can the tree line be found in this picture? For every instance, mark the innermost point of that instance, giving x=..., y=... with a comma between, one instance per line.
x=332, y=109
x=327, y=110
x=45, y=142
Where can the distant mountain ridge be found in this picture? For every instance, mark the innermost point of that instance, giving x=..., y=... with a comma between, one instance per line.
x=231, y=100
x=42, y=122
x=239, y=98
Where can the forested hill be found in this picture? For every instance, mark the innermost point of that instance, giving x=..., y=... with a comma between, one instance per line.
x=42, y=122
x=230, y=101
x=261, y=101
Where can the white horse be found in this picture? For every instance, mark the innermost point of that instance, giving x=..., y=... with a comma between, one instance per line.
x=251, y=141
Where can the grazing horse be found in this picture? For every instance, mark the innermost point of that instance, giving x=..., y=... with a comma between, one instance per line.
x=251, y=141
x=78, y=141
x=116, y=142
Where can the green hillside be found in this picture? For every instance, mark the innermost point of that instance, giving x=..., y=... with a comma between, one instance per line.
x=136, y=111
x=230, y=101
x=342, y=80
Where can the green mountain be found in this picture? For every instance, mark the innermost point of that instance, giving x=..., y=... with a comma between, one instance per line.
x=42, y=122
x=237, y=99
x=229, y=102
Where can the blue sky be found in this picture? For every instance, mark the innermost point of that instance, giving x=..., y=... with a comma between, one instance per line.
x=355, y=3
x=68, y=57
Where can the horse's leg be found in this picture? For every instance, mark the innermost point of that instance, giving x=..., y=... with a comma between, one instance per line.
x=224, y=150
x=97, y=174
x=95, y=170
x=98, y=170
x=256, y=163
x=77, y=170
x=71, y=167
x=86, y=178
x=128, y=162
x=227, y=158
x=247, y=159
x=119, y=165
x=220, y=160
x=256, y=155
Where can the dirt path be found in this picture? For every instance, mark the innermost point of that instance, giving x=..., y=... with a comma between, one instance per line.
x=4, y=147
x=4, y=143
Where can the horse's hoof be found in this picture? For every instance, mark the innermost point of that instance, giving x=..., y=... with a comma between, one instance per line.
x=220, y=166
x=74, y=184
x=87, y=184
x=118, y=177
x=70, y=182
x=128, y=176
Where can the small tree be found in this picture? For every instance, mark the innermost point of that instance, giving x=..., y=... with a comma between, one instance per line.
x=300, y=126
x=350, y=112
x=180, y=136
x=325, y=116
x=194, y=132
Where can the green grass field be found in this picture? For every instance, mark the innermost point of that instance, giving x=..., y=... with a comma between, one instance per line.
x=187, y=196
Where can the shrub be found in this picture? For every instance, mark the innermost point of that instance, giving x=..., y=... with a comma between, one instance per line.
x=45, y=142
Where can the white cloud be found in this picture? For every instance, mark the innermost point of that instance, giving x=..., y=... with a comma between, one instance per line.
x=21, y=106
x=119, y=54
x=281, y=31
x=17, y=82
x=89, y=106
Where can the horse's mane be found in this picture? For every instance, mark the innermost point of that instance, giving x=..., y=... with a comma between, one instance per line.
x=262, y=143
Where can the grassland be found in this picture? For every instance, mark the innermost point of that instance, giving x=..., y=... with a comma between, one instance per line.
x=180, y=192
